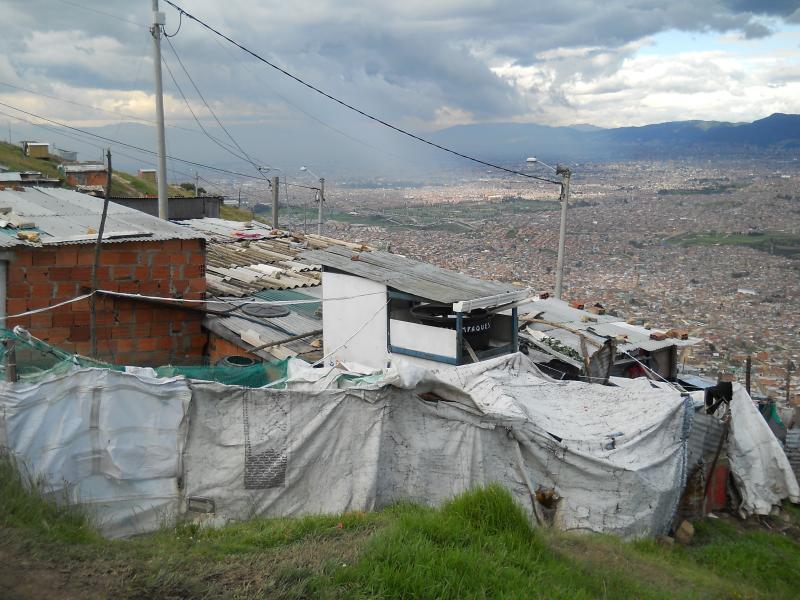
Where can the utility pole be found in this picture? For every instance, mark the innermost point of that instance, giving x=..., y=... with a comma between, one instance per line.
x=159, y=19
x=98, y=245
x=275, y=190
x=321, y=200
x=562, y=233
x=748, y=365
x=196, y=177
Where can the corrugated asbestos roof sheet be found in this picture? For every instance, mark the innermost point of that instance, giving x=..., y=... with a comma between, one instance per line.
x=410, y=276
x=247, y=267
x=597, y=327
x=66, y=217
x=273, y=329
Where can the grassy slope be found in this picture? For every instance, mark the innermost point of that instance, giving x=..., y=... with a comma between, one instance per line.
x=786, y=244
x=478, y=545
x=123, y=184
x=11, y=156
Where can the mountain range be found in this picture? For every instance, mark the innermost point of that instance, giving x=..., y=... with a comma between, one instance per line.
x=777, y=134
x=353, y=151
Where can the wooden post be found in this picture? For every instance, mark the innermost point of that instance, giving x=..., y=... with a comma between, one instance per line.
x=11, y=359
x=748, y=365
x=98, y=245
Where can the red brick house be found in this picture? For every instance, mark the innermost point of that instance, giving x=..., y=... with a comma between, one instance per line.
x=86, y=174
x=141, y=254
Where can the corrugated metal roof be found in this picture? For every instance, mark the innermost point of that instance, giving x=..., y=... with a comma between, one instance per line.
x=246, y=267
x=90, y=168
x=269, y=330
x=287, y=295
x=64, y=217
x=223, y=230
x=596, y=327
x=793, y=450
x=704, y=438
x=410, y=276
x=10, y=176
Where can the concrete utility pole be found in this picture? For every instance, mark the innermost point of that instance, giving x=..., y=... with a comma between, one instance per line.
x=159, y=19
x=321, y=200
x=562, y=233
x=275, y=190
x=97, y=247
x=196, y=177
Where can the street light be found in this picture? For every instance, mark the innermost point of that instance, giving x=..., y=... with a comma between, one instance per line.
x=565, y=174
x=321, y=194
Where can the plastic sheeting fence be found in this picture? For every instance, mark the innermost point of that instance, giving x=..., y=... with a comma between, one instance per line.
x=142, y=451
x=36, y=360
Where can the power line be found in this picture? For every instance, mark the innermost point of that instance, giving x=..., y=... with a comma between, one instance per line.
x=197, y=120
x=353, y=108
x=133, y=147
x=208, y=107
x=93, y=107
x=100, y=12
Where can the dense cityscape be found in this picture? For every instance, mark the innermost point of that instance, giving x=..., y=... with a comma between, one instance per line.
x=713, y=248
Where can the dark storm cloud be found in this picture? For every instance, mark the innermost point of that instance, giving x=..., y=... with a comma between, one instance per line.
x=406, y=60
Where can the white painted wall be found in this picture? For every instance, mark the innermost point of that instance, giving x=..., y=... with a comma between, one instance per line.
x=342, y=318
x=423, y=338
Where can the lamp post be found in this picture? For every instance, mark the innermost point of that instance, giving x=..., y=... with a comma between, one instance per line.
x=565, y=174
x=320, y=193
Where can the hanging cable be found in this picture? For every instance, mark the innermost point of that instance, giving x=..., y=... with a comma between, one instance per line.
x=197, y=120
x=355, y=109
x=180, y=24
x=208, y=107
x=133, y=147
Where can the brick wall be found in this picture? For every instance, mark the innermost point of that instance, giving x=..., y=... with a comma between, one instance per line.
x=219, y=348
x=129, y=332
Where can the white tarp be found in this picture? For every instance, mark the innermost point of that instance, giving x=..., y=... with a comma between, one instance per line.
x=759, y=465
x=271, y=453
x=107, y=440
x=616, y=458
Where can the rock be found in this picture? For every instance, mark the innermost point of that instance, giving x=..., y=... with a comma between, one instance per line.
x=666, y=541
x=684, y=533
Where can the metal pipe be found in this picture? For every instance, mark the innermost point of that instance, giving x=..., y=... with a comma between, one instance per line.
x=3, y=291
x=155, y=31
x=321, y=200
x=275, y=190
x=562, y=232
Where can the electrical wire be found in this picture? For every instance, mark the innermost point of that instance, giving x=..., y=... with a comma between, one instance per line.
x=353, y=108
x=133, y=147
x=105, y=14
x=347, y=341
x=208, y=107
x=197, y=120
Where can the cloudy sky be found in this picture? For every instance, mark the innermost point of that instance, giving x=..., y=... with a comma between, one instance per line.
x=420, y=63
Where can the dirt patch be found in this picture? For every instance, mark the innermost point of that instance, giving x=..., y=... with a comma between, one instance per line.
x=24, y=579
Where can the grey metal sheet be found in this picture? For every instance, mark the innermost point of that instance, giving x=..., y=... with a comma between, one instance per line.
x=597, y=326
x=792, y=449
x=60, y=213
x=409, y=276
x=704, y=438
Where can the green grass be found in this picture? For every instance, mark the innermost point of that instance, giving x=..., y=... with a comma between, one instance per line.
x=784, y=244
x=11, y=156
x=479, y=545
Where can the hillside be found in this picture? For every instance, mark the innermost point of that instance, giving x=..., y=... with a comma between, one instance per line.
x=123, y=184
x=478, y=545
x=776, y=134
x=11, y=157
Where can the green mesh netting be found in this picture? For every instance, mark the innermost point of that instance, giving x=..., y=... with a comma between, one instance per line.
x=36, y=359
x=257, y=375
